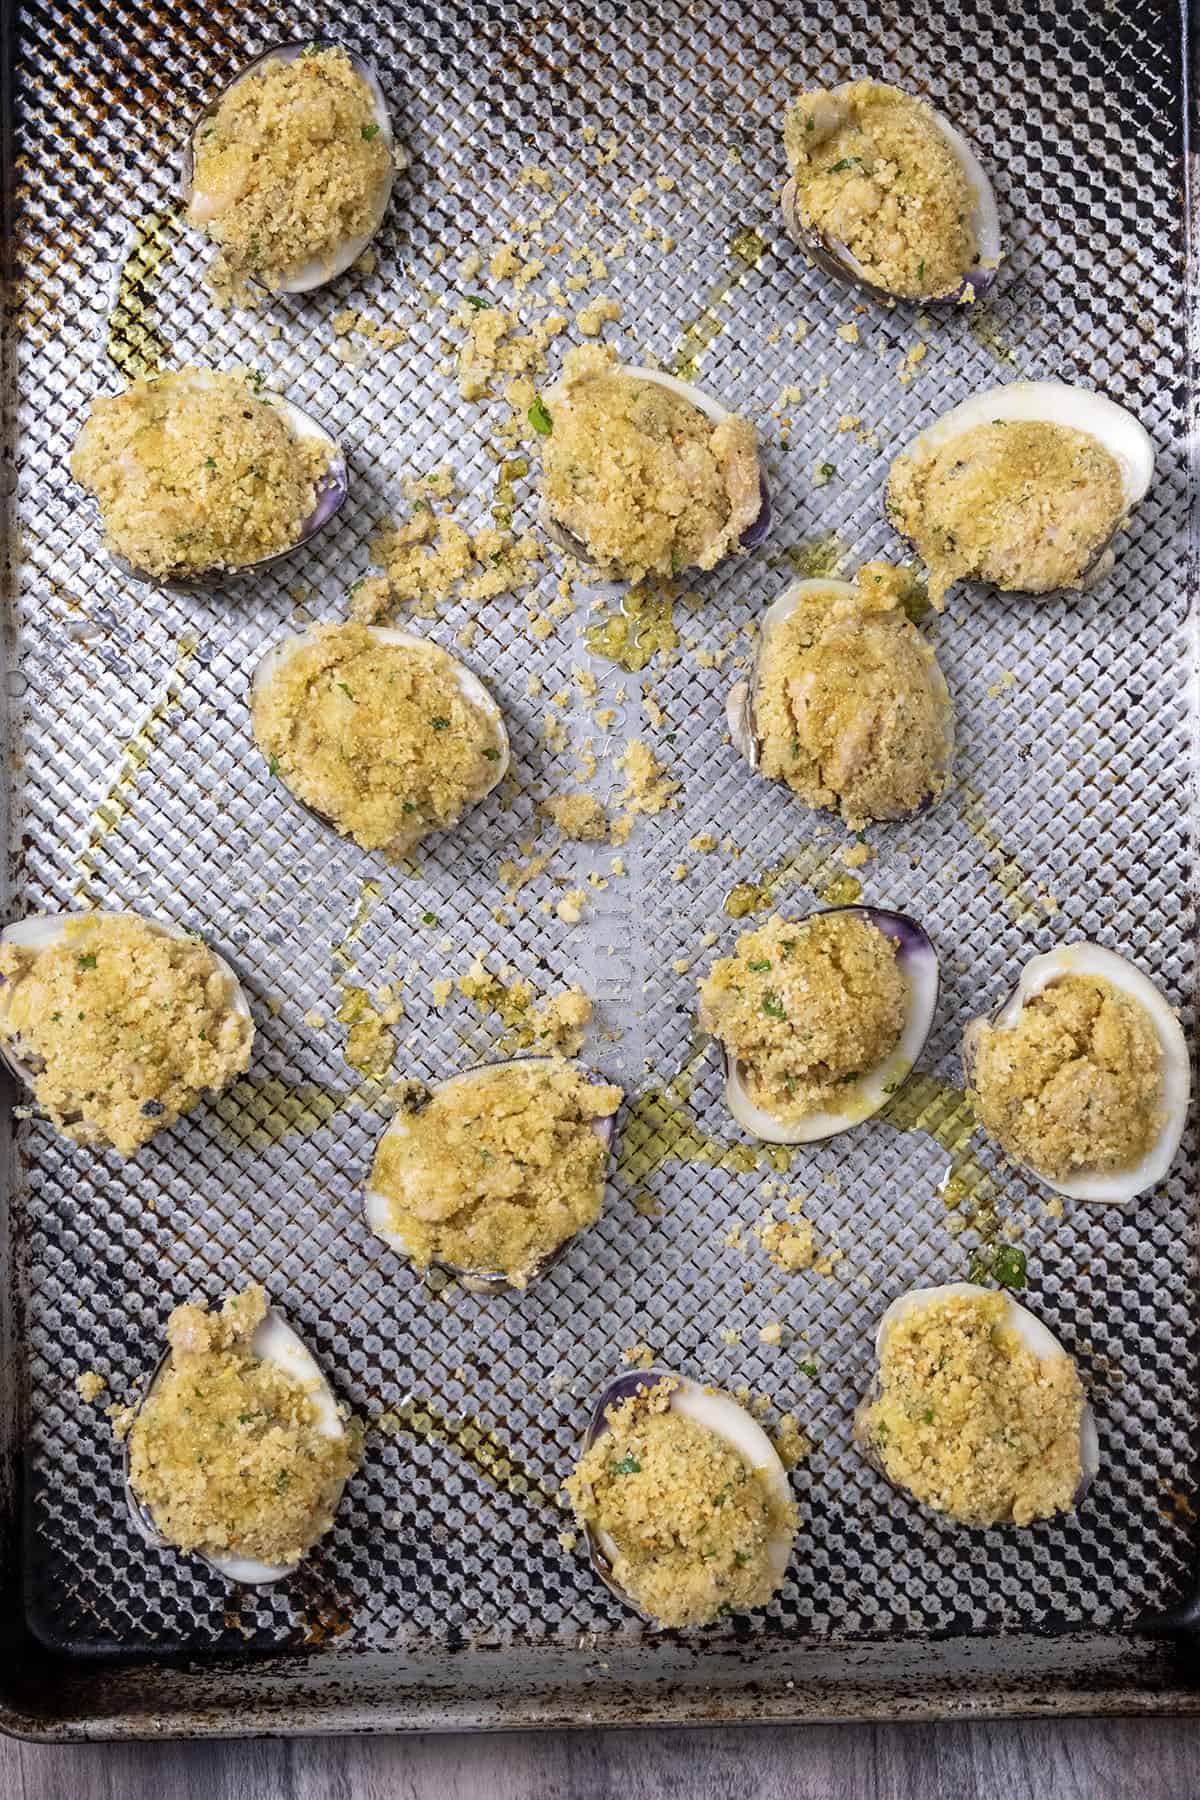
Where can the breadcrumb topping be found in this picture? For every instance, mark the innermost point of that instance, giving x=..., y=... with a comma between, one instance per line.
x=874, y=172
x=230, y=1454
x=497, y=1169
x=1027, y=505
x=196, y=471
x=803, y=1007
x=849, y=707
x=123, y=1028
x=689, y=1517
x=639, y=476
x=1076, y=1083
x=970, y=1421
x=383, y=739
x=292, y=165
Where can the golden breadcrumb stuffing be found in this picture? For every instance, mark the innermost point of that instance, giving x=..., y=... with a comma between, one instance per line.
x=196, y=471
x=850, y=708
x=431, y=558
x=805, y=1006
x=122, y=1027
x=383, y=739
x=90, y=1385
x=689, y=1519
x=578, y=816
x=647, y=789
x=556, y=1024
x=969, y=1420
x=230, y=1455
x=1024, y=504
x=638, y=476
x=293, y=165
x=498, y=1168
x=1075, y=1084
x=874, y=172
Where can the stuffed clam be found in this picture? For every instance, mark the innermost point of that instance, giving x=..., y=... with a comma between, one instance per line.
x=1023, y=486
x=201, y=475
x=119, y=1024
x=238, y=1452
x=976, y=1410
x=643, y=474
x=1083, y=1075
x=820, y=1020
x=684, y=1501
x=845, y=702
x=887, y=195
x=492, y=1173
x=290, y=169
x=381, y=733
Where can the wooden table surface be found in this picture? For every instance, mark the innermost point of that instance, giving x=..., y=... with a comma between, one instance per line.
x=1080, y=1760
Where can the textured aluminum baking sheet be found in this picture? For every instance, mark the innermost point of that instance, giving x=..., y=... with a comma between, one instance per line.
x=135, y=783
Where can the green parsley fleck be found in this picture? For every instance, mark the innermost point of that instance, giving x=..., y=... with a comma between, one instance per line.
x=429, y=918
x=772, y=1006
x=540, y=418
x=1008, y=1266
x=370, y=131
x=87, y=960
x=440, y=724
x=759, y=967
x=478, y=304
x=628, y=1465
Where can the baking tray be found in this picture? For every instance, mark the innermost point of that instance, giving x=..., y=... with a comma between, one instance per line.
x=442, y=1598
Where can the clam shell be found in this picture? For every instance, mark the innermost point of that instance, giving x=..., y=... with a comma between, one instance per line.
x=722, y=1415
x=332, y=488
x=868, y=1093
x=742, y=697
x=274, y=1341
x=1116, y=1187
x=39, y=931
x=473, y=690
x=315, y=273
x=833, y=258
x=377, y=1206
x=713, y=410
x=1036, y=1336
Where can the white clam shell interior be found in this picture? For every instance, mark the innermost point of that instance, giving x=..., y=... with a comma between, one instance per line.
x=473, y=690
x=868, y=1093
x=1037, y=1338
x=317, y=271
x=721, y=1414
x=1119, y=1185
x=377, y=1206
x=1055, y=403
x=275, y=1342
x=985, y=216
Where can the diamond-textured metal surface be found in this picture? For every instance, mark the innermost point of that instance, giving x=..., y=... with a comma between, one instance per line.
x=137, y=784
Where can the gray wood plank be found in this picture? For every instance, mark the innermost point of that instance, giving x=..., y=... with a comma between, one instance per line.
x=1034, y=1760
